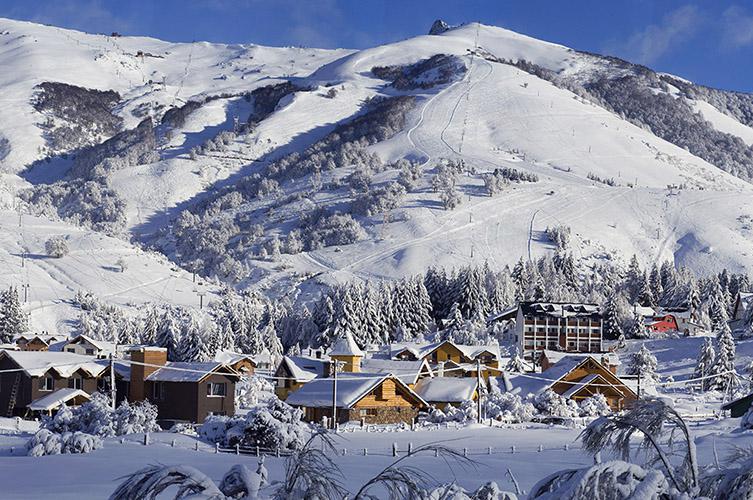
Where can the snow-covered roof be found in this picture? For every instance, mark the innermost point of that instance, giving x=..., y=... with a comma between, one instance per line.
x=423, y=350
x=303, y=368
x=230, y=357
x=447, y=389
x=102, y=345
x=180, y=371
x=559, y=309
x=57, y=399
x=611, y=358
x=37, y=363
x=508, y=313
x=46, y=338
x=407, y=371
x=351, y=388
x=644, y=311
x=346, y=346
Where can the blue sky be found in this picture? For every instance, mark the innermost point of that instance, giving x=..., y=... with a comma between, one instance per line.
x=710, y=42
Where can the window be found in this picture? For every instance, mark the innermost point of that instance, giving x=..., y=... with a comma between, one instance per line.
x=46, y=384
x=90, y=352
x=367, y=412
x=216, y=389
x=70, y=349
x=75, y=383
x=158, y=391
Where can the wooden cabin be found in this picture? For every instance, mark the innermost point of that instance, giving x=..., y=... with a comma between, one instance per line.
x=360, y=397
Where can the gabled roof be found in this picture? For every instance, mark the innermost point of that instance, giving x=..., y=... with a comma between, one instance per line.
x=102, y=345
x=230, y=357
x=582, y=384
x=303, y=368
x=179, y=371
x=407, y=371
x=57, y=399
x=346, y=346
x=447, y=389
x=37, y=363
x=424, y=350
x=351, y=388
x=555, y=356
x=534, y=383
x=44, y=338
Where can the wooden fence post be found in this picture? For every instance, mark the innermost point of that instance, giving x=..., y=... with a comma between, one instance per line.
x=465, y=452
x=541, y=448
x=196, y=447
x=489, y=449
x=257, y=450
x=146, y=438
x=394, y=449
x=512, y=449
x=237, y=449
x=410, y=448
x=216, y=447
x=365, y=452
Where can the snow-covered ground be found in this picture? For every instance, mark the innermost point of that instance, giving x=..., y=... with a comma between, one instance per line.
x=97, y=473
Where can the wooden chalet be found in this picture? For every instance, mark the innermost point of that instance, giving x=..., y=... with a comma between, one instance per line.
x=447, y=351
x=563, y=326
x=576, y=378
x=374, y=399
x=295, y=371
x=37, y=342
x=244, y=364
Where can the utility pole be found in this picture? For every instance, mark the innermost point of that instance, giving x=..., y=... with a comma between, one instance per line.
x=639, y=383
x=113, y=390
x=334, y=394
x=201, y=299
x=478, y=399
x=26, y=292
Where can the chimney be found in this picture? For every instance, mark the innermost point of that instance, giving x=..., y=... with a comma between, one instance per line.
x=440, y=369
x=139, y=372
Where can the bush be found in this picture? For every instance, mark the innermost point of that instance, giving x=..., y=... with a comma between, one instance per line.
x=97, y=417
x=550, y=403
x=379, y=200
x=272, y=425
x=46, y=442
x=595, y=406
x=56, y=247
x=508, y=407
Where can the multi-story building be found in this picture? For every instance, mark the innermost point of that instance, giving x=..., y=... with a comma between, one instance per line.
x=558, y=326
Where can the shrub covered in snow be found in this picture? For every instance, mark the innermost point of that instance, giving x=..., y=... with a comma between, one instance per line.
x=98, y=418
x=56, y=247
x=466, y=412
x=508, y=407
x=253, y=390
x=552, y=404
x=46, y=442
x=594, y=406
x=272, y=425
x=381, y=199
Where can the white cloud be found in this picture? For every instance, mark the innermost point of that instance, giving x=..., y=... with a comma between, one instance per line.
x=737, y=27
x=654, y=41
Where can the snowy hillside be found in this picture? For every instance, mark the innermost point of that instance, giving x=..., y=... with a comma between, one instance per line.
x=185, y=147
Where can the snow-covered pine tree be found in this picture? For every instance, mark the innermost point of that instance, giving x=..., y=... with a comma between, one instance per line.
x=13, y=319
x=471, y=292
x=612, y=320
x=435, y=281
x=634, y=279
x=724, y=364
x=643, y=363
x=149, y=326
x=324, y=318
x=516, y=364
x=637, y=327
x=654, y=280
x=645, y=295
x=704, y=366
x=716, y=305
x=520, y=278
x=348, y=315
x=168, y=334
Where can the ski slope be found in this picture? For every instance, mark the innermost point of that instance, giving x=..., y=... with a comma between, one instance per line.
x=492, y=116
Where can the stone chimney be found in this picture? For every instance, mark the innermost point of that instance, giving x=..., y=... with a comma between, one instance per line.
x=139, y=372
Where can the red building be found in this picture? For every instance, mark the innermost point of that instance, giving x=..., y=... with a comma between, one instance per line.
x=666, y=323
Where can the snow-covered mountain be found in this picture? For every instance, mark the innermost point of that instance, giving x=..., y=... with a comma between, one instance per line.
x=186, y=148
